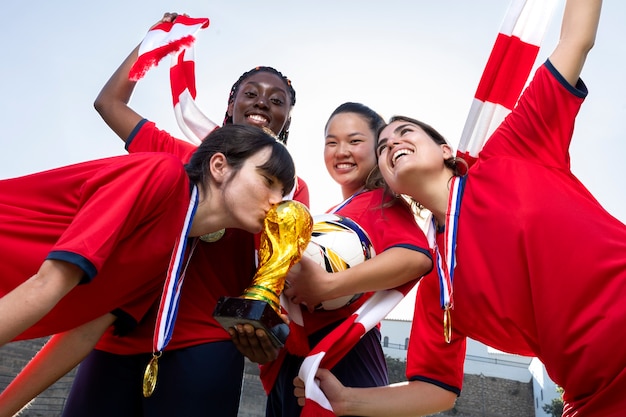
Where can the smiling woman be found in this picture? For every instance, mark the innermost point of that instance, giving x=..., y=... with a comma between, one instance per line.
x=402, y=256
x=250, y=96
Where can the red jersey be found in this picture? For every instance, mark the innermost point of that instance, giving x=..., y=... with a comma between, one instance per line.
x=116, y=218
x=222, y=268
x=541, y=266
x=387, y=227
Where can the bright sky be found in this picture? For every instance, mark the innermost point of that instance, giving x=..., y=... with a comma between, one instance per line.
x=418, y=58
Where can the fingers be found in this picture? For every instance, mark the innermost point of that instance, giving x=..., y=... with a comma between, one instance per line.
x=169, y=17
x=255, y=344
x=298, y=390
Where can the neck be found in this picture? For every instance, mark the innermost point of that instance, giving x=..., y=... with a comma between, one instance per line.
x=434, y=196
x=210, y=215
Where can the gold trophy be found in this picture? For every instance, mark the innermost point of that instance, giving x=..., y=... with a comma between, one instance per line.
x=286, y=233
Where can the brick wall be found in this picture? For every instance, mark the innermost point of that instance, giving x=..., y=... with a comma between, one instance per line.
x=12, y=358
x=481, y=397
x=493, y=397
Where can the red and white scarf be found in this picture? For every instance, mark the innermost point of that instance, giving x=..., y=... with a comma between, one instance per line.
x=503, y=80
x=177, y=39
x=506, y=72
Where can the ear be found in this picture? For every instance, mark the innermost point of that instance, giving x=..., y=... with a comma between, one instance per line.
x=219, y=167
x=447, y=151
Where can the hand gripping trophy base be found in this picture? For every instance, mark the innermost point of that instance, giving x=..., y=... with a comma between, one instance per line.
x=231, y=311
x=286, y=233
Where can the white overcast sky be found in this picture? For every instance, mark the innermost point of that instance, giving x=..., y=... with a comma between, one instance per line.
x=418, y=58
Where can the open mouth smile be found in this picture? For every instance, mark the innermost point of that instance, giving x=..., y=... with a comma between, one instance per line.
x=258, y=119
x=398, y=154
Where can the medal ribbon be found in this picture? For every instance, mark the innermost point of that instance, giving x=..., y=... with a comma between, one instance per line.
x=344, y=203
x=447, y=262
x=168, y=306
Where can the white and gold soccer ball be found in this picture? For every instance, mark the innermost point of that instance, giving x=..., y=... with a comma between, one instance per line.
x=338, y=243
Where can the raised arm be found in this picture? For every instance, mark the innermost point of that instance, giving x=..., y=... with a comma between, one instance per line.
x=112, y=101
x=578, y=35
x=58, y=356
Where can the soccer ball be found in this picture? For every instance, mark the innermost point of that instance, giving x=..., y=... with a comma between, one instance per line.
x=338, y=243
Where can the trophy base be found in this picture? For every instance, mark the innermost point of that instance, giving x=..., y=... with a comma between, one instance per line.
x=231, y=311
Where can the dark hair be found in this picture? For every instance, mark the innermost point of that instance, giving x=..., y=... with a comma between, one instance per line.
x=375, y=122
x=238, y=143
x=283, y=134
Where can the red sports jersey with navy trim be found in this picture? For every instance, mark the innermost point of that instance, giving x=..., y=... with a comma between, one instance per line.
x=541, y=266
x=387, y=227
x=116, y=218
x=232, y=263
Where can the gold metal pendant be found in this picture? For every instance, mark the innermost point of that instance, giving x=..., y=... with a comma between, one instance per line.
x=213, y=237
x=447, y=324
x=150, y=375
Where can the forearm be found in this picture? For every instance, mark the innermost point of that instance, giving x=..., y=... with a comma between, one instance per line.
x=112, y=101
x=399, y=400
x=578, y=34
x=60, y=355
x=393, y=267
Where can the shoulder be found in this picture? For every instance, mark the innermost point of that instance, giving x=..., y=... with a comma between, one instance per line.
x=150, y=170
x=147, y=137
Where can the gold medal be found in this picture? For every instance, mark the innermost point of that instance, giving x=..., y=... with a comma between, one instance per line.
x=447, y=324
x=150, y=375
x=213, y=237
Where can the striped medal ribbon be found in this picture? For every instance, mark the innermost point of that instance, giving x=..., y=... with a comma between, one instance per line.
x=447, y=262
x=168, y=307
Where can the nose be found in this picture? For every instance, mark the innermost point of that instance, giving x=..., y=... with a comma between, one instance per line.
x=261, y=102
x=392, y=142
x=343, y=148
x=276, y=196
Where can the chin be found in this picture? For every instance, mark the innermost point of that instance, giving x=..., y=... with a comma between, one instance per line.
x=255, y=229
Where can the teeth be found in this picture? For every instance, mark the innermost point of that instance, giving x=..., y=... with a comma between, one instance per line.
x=399, y=153
x=344, y=166
x=258, y=118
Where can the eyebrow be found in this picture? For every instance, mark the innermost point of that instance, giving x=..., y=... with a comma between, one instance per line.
x=271, y=88
x=396, y=130
x=402, y=126
x=349, y=135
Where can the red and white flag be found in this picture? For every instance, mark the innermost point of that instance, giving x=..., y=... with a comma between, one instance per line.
x=506, y=73
x=177, y=39
x=340, y=341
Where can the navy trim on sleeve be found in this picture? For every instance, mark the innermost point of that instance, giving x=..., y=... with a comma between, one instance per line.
x=134, y=132
x=440, y=384
x=78, y=260
x=580, y=90
x=124, y=323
